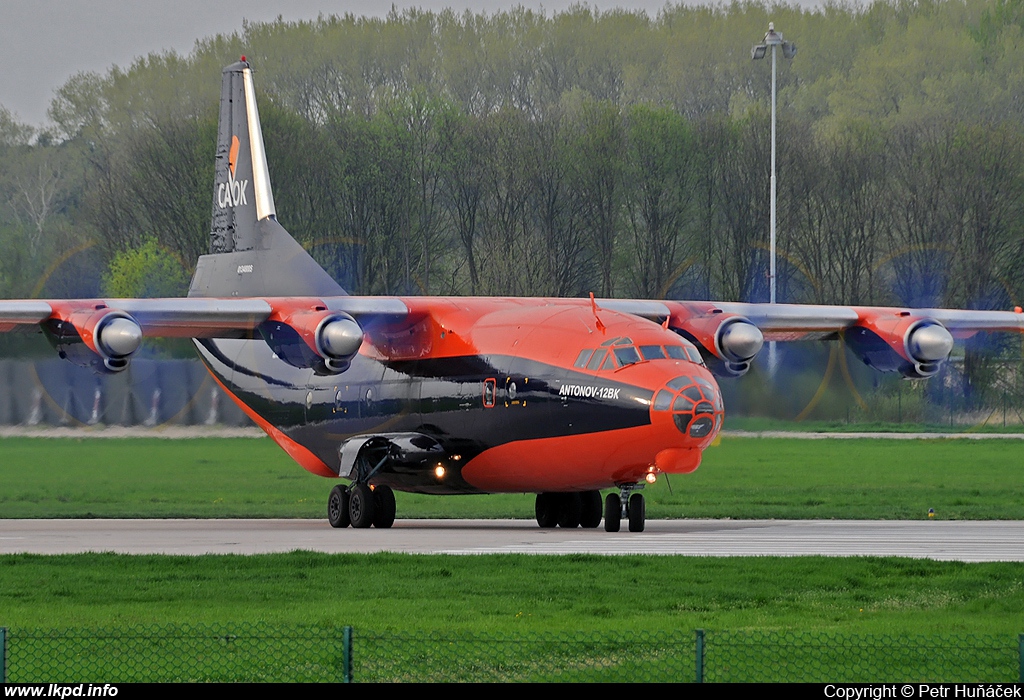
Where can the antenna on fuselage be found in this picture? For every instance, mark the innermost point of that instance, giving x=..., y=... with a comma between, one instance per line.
x=593, y=306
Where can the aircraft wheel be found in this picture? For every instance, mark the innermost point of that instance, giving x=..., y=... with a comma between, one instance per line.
x=547, y=509
x=337, y=507
x=637, y=512
x=591, y=513
x=612, y=512
x=384, y=506
x=570, y=511
x=361, y=505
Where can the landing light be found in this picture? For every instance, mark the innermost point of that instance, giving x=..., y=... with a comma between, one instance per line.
x=439, y=471
x=651, y=477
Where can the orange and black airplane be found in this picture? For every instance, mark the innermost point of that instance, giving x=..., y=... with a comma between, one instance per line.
x=446, y=395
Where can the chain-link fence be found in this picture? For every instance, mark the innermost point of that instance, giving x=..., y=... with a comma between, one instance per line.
x=171, y=654
x=537, y=657
x=150, y=392
x=258, y=653
x=820, y=657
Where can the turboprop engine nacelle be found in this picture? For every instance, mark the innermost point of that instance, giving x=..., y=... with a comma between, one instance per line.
x=325, y=341
x=338, y=339
x=913, y=346
x=728, y=342
x=99, y=338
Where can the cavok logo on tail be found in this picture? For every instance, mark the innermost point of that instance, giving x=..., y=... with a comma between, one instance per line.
x=232, y=192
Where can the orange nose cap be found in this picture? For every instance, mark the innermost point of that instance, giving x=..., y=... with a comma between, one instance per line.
x=678, y=460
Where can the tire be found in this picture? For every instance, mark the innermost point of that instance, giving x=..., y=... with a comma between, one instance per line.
x=337, y=507
x=612, y=512
x=361, y=506
x=590, y=516
x=570, y=509
x=547, y=509
x=384, y=506
x=637, y=512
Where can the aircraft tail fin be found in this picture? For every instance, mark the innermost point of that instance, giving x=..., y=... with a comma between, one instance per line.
x=251, y=254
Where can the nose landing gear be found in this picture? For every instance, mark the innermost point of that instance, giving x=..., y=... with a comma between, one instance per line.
x=625, y=505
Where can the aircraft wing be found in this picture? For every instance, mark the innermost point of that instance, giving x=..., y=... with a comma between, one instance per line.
x=191, y=317
x=105, y=333
x=914, y=342
x=784, y=320
x=961, y=323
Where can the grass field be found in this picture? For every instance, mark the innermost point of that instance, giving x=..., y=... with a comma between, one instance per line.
x=512, y=594
x=985, y=423
x=740, y=478
x=508, y=593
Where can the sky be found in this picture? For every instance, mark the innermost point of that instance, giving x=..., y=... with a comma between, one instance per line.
x=44, y=42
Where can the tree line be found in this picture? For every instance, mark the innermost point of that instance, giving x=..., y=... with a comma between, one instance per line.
x=521, y=153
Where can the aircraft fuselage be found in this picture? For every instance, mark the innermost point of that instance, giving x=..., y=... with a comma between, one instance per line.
x=516, y=395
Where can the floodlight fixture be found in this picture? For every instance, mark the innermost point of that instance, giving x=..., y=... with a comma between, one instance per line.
x=773, y=39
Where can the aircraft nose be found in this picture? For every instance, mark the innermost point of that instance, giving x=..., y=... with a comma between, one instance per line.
x=695, y=404
x=696, y=422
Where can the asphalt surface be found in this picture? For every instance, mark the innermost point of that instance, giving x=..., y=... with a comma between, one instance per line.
x=940, y=539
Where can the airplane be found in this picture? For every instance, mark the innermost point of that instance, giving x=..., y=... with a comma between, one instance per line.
x=559, y=397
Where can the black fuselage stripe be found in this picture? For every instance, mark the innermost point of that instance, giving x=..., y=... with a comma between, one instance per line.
x=441, y=397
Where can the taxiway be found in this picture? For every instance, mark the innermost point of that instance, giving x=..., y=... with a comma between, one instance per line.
x=941, y=539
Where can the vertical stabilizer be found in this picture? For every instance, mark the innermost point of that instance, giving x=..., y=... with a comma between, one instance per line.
x=242, y=193
x=250, y=253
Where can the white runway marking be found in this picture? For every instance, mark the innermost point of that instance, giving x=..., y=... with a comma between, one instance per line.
x=942, y=539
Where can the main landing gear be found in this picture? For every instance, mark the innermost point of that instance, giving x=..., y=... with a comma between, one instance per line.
x=584, y=509
x=569, y=509
x=361, y=506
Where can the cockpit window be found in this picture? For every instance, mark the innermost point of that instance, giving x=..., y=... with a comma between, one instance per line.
x=621, y=352
x=687, y=351
x=595, y=361
x=627, y=355
x=652, y=352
